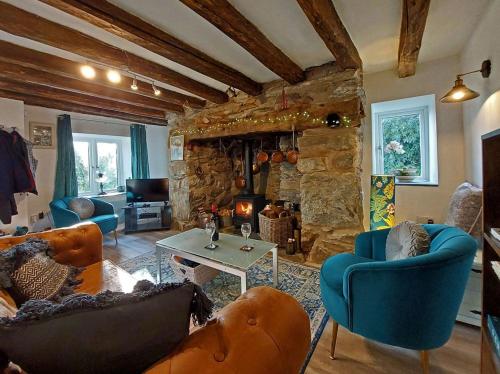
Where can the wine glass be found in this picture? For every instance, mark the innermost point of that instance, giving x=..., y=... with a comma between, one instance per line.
x=210, y=230
x=246, y=230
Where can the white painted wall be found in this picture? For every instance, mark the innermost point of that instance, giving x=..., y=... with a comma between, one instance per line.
x=12, y=114
x=481, y=115
x=431, y=78
x=158, y=152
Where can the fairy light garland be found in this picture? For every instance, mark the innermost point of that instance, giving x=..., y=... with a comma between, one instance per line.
x=286, y=118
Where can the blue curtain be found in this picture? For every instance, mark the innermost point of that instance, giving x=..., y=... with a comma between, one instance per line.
x=140, y=163
x=66, y=183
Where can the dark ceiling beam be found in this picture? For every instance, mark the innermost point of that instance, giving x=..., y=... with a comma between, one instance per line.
x=51, y=93
x=8, y=70
x=28, y=25
x=61, y=66
x=329, y=26
x=77, y=108
x=125, y=25
x=412, y=30
x=231, y=22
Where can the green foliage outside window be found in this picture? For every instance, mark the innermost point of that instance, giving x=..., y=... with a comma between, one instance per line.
x=401, y=142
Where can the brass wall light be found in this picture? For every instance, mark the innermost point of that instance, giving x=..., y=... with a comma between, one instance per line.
x=460, y=92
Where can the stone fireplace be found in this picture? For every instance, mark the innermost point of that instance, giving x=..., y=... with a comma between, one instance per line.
x=220, y=141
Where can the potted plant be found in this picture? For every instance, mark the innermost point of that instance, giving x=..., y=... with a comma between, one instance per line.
x=395, y=154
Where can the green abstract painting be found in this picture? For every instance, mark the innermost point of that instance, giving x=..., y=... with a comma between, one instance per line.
x=382, y=202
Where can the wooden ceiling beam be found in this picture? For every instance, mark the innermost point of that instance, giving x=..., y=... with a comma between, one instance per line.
x=231, y=22
x=412, y=30
x=77, y=108
x=21, y=73
x=28, y=25
x=327, y=23
x=61, y=66
x=125, y=25
x=52, y=93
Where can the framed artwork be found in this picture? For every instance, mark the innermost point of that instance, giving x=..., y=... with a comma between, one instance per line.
x=43, y=135
x=177, y=148
x=382, y=202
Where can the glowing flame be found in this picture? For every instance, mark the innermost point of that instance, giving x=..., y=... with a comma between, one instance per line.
x=244, y=208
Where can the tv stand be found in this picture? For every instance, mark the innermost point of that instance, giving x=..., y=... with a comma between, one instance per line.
x=147, y=217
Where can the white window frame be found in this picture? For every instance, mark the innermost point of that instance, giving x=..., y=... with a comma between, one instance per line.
x=93, y=139
x=425, y=108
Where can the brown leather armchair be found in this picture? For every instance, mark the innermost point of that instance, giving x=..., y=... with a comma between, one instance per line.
x=263, y=331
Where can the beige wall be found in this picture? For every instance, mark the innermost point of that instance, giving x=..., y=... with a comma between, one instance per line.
x=436, y=78
x=481, y=115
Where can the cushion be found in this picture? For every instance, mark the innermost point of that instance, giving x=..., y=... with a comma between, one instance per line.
x=6, y=310
x=405, y=240
x=82, y=206
x=111, y=332
x=464, y=209
x=27, y=272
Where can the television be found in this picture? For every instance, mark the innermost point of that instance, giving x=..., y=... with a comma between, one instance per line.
x=147, y=190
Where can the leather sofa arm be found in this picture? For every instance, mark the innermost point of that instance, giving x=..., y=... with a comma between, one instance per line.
x=78, y=245
x=263, y=331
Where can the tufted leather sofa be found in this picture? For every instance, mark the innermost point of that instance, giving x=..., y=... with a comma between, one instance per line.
x=264, y=331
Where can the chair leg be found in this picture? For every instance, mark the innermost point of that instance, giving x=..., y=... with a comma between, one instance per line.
x=424, y=361
x=116, y=237
x=335, y=329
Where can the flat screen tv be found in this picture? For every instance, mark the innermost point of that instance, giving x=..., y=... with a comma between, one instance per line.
x=147, y=190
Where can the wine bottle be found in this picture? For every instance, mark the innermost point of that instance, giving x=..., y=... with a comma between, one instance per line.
x=216, y=221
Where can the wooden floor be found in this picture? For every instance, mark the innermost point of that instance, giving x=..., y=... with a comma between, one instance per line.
x=354, y=353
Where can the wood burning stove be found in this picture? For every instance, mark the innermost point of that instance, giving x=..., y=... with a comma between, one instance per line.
x=247, y=204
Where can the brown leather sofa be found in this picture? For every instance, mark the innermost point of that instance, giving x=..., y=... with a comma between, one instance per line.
x=263, y=331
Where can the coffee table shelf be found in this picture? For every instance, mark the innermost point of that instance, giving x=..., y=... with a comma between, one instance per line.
x=227, y=257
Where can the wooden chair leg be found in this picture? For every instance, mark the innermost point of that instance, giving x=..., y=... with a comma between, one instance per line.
x=424, y=361
x=116, y=238
x=335, y=329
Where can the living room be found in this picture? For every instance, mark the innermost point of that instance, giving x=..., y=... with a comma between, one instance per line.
x=315, y=177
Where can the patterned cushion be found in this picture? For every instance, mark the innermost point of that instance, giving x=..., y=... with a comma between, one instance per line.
x=27, y=272
x=82, y=206
x=405, y=240
x=6, y=310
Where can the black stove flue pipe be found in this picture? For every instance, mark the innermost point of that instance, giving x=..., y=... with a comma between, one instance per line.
x=248, y=152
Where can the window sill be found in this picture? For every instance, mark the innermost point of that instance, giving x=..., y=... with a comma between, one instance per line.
x=417, y=184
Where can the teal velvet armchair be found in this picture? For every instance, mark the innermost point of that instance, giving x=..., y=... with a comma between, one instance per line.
x=104, y=215
x=410, y=303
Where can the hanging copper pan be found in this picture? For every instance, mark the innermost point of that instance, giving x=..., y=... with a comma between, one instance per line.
x=277, y=156
x=240, y=181
x=262, y=157
x=292, y=156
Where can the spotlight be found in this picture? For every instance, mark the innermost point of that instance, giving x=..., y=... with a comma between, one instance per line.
x=156, y=91
x=114, y=76
x=87, y=71
x=134, y=84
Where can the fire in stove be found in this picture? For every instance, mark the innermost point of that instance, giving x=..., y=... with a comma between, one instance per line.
x=244, y=208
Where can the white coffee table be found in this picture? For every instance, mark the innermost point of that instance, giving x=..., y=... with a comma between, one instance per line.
x=227, y=257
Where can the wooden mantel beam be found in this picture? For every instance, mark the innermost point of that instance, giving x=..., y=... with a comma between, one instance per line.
x=128, y=26
x=231, y=22
x=57, y=94
x=412, y=30
x=28, y=25
x=329, y=26
x=8, y=70
x=61, y=66
x=77, y=108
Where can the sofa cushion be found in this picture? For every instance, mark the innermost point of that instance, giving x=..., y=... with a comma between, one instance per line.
x=405, y=240
x=82, y=206
x=6, y=310
x=107, y=333
x=333, y=269
x=29, y=273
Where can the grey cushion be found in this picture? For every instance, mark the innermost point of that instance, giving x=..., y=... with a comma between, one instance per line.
x=82, y=206
x=405, y=240
x=111, y=332
x=464, y=209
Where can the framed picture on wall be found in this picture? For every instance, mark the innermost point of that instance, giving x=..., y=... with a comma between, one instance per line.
x=43, y=135
x=177, y=148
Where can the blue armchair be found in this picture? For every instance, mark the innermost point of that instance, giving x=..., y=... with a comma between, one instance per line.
x=410, y=303
x=104, y=215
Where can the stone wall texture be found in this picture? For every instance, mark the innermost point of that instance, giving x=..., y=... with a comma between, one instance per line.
x=326, y=179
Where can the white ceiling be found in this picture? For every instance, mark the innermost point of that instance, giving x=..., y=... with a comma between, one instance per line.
x=374, y=26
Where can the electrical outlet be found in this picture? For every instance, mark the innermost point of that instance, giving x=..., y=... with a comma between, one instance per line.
x=33, y=218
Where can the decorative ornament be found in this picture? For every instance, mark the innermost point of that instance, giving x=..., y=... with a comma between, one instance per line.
x=333, y=120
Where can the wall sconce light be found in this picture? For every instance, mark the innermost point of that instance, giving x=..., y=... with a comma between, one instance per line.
x=460, y=92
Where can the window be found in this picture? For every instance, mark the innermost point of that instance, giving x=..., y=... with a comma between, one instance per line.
x=96, y=154
x=404, y=139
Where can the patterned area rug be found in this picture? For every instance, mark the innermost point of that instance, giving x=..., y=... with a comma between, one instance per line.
x=302, y=282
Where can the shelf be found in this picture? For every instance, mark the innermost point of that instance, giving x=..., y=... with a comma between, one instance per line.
x=493, y=243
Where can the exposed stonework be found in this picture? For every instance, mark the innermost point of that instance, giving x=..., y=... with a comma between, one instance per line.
x=326, y=179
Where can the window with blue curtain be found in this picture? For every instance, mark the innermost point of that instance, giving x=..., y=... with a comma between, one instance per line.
x=65, y=183
x=139, y=148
